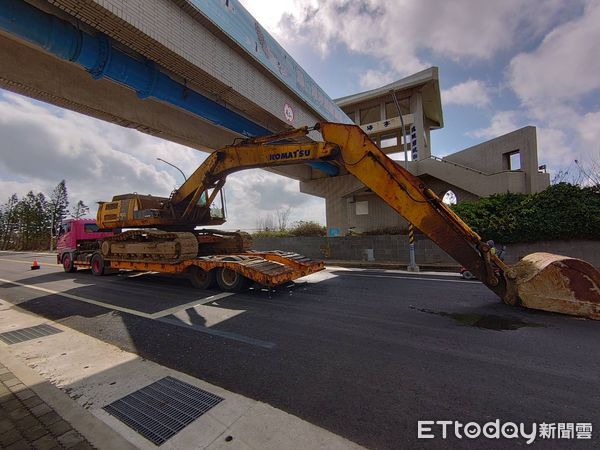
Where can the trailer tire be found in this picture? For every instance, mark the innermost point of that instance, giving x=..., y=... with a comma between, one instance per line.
x=97, y=265
x=67, y=263
x=231, y=281
x=467, y=275
x=200, y=278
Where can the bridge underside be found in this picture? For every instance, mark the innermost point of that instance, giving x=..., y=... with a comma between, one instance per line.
x=221, y=73
x=33, y=73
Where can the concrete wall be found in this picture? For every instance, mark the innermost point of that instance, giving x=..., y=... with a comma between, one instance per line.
x=391, y=248
x=386, y=248
x=492, y=157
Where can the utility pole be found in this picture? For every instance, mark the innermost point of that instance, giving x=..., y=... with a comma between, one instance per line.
x=412, y=267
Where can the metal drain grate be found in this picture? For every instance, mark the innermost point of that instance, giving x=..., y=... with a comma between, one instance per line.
x=27, y=334
x=163, y=408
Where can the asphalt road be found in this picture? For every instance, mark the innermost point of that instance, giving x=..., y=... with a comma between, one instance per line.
x=363, y=353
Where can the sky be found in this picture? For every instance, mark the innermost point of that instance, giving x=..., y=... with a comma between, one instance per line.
x=503, y=64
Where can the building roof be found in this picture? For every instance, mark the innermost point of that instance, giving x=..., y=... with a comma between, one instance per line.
x=427, y=80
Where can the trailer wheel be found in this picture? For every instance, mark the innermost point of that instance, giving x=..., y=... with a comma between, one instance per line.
x=67, y=263
x=97, y=264
x=467, y=275
x=201, y=279
x=231, y=281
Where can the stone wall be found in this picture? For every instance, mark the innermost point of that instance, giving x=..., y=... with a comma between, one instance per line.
x=390, y=248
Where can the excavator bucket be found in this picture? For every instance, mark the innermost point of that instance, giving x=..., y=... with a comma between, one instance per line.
x=559, y=284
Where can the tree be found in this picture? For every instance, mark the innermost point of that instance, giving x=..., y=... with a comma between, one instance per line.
x=265, y=223
x=79, y=210
x=282, y=218
x=32, y=222
x=8, y=221
x=59, y=201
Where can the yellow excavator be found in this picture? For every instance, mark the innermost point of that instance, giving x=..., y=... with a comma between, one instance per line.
x=166, y=227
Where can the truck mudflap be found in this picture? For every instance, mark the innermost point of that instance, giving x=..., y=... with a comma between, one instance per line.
x=267, y=268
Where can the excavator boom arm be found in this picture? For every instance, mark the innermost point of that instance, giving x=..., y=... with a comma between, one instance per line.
x=351, y=148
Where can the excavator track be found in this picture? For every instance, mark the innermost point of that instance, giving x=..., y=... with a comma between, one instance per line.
x=150, y=246
x=214, y=242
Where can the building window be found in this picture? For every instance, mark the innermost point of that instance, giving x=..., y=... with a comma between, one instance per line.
x=392, y=111
x=512, y=160
x=370, y=115
x=450, y=198
x=362, y=208
x=351, y=115
x=389, y=140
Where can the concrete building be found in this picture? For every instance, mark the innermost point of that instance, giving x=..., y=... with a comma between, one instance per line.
x=507, y=163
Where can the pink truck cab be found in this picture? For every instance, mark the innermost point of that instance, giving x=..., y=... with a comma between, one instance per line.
x=78, y=242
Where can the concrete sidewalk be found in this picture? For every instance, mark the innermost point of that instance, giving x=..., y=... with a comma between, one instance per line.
x=54, y=390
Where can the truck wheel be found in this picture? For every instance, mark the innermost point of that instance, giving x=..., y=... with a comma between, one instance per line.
x=97, y=264
x=201, y=279
x=231, y=281
x=67, y=263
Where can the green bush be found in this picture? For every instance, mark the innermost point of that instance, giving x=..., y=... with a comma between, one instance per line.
x=562, y=211
x=300, y=228
x=307, y=228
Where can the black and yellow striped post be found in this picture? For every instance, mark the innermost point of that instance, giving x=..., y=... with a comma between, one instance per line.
x=412, y=267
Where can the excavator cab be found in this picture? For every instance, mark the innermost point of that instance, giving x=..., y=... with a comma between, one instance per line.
x=137, y=210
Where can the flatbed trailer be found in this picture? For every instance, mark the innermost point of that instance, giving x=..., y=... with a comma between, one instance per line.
x=229, y=272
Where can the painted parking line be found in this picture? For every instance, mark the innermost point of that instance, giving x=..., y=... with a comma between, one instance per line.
x=445, y=280
x=160, y=315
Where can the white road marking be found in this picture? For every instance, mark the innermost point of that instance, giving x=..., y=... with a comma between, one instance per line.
x=167, y=312
x=81, y=299
x=409, y=278
x=139, y=274
x=156, y=315
x=161, y=315
x=29, y=262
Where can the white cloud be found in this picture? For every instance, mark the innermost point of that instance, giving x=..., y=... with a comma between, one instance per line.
x=372, y=79
x=470, y=92
x=564, y=67
x=589, y=130
x=501, y=123
x=254, y=194
x=554, y=148
x=399, y=32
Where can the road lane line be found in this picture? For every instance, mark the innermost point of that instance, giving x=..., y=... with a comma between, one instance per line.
x=81, y=299
x=409, y=278
x=159, y=316
x=202, y=301
x=29, y=262
x=220, y=333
